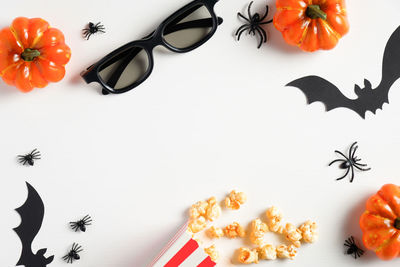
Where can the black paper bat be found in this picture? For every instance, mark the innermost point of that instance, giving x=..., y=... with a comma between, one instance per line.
x=318, y=89
x=32, y=213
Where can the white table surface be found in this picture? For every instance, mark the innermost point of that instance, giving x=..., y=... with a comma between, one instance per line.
x=204, y=123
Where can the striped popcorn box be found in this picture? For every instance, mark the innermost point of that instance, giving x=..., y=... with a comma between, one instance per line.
x=182, y=251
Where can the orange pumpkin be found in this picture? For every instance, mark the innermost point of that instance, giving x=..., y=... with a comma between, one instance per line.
x=380, y=222
x=32, y=54
x=311, y=24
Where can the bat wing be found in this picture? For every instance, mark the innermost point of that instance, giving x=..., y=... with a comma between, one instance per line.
x=390, y=66
x=32, y=213
x=318, y=89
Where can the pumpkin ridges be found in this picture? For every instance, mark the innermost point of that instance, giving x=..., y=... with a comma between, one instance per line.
x=371, y=221
x=390, y=249
x=377, y=205
x=391, y=195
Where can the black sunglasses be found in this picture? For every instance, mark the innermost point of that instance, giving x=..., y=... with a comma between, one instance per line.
x=130, y=65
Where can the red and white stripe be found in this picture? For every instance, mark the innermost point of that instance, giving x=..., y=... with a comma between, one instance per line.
x=182, y=251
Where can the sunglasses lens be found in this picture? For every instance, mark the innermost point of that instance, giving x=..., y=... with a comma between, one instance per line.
x=189, y=28
x=125, y=68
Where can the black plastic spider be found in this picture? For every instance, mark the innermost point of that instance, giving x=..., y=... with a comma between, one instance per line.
x=81, y=224
x=254, y=25
x=73, y=253
x=352, y=248
x=29, y=158
x=350, y=162
x=92, y=29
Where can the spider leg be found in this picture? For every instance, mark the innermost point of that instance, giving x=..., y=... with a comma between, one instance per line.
x=102, y=31
x=266, y=22
x=361, y=169
x=264, y=34
x=261, y=38
x=336, y=160
x=248, y=9
x=352, y=176
x=351, y=149
x=242, y=31
x=240, y=28
x=266, y=13
x=347, y=172
x=356, y=162
x=340, y=153
x=354, y=152
x=243, y=17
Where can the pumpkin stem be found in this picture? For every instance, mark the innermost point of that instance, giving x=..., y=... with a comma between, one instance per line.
x=397, y=223
x=315, y=12
x=30, y=54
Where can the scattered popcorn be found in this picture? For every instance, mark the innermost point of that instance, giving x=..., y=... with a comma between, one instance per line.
x=235, y=199
x=204, y=211
x=196, y=225
x=275, y=217
x=283, y=251
x=258, y=230
x=267, y=252
x=212, y=252
x=309, y=231
x=234, y=230
x=198, y=209
x=293, y=234
x=247, y=256
x=213, y=210
x=215, y=232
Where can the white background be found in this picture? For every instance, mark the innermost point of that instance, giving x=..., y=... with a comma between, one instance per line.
x=205, y=122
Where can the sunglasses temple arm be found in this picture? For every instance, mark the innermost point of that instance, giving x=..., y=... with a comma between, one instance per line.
x=115, y=76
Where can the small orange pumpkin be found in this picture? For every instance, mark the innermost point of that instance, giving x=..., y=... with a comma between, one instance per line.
x=311, y=24
x=380, y=222
x=32, y=54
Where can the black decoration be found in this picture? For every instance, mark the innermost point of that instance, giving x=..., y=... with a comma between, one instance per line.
x=318, y=89
x=253, y=25
x=352, y=248
x=92, y=29
x=81, y=224
x=29, y=158
x=73, y=253
x=350, y=162
x=32, y=213
x=125, y=54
